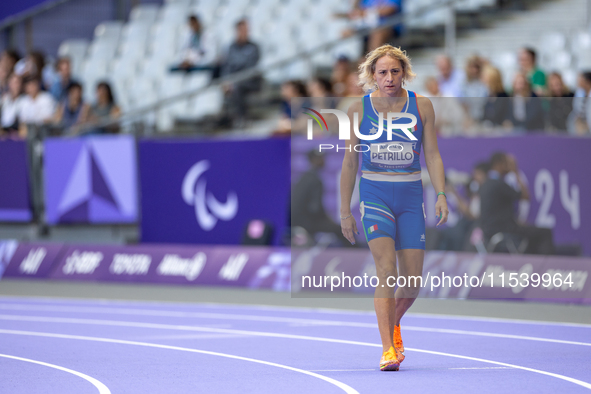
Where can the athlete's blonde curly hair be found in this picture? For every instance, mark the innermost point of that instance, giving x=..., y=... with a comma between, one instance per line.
x=368, y=67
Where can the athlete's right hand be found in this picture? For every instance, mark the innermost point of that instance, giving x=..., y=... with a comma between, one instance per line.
x=349, y=228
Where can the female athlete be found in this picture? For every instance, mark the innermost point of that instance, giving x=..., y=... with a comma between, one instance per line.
x=391, y=190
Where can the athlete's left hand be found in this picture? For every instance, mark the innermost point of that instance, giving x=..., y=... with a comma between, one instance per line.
x=441, y=209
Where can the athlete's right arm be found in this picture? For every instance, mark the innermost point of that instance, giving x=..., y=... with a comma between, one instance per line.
x=348, y=175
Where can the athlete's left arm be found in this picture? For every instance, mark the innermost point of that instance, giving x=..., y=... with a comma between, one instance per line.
x=432, y=156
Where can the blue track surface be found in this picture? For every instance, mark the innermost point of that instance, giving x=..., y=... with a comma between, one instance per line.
x=74, y=346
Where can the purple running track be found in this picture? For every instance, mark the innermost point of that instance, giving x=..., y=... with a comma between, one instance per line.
x=95, y=346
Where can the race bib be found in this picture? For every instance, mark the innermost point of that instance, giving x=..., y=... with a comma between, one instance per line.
x=392, y=154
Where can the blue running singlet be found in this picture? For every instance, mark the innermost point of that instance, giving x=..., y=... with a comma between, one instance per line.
x=401, y=154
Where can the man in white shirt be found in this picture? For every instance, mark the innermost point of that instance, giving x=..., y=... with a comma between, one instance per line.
x=450, y=79
x=37, y=107
x=199, y=49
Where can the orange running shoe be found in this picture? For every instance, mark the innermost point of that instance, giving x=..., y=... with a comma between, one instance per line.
x=389, y=361
x=398, y=344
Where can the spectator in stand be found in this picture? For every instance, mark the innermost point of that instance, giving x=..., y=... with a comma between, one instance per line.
x=370, y=14
x=11, y=104
x=291, y=110
x=242, y=55
x=37, y=106
x=450, y=117
x=321, y=96
x=104, y=110
x=7, y=61
x=473, y=85
x=338, y=78
x=320, y=90
x=497, y=203
x=535, y=76
x=71, y=111
x=59, y=88
x=474, y=91
x=527, y=112
x=497, y=105
x=319, y=87
x=4, y=76
x=353, y=87
x=353, y=92
x=450, y=79
x=199, y=50
x=560, y=103
x=579, y=120
x=31, y=66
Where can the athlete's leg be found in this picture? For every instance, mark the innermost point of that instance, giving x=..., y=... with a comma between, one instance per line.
x=384, y=254
x=410, y=243
x=410, y=266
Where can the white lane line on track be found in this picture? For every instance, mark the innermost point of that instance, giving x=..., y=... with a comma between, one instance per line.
x=347, y=389
x=357, y=370
x=482, y=368
x=293, y=321
x=339, y=370
x=286, y=309
x=291, y=336
x=99, y=385
x=496, y=320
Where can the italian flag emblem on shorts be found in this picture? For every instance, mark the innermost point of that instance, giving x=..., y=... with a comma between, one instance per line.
x=373, y=228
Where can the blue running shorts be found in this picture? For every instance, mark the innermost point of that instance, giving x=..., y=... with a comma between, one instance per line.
x=395, y=210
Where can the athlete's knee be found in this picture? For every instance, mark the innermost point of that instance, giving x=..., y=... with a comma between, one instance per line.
x=409, y=292
x=385, y=273
x=409, y=286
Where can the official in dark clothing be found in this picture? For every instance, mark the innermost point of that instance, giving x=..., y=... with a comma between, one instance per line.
x=497, y=200
x=242, y=55
x=307, y=206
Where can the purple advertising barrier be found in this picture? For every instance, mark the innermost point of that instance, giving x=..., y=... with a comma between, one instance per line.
x=15, y=203
x=205, y=192
x=539, y=278
x=359, y=266
x=555, y=168
x=91, y=180
x=254, y=267
x=500, y=273
x=33, y=260
x=450, y=275
x=7, y=249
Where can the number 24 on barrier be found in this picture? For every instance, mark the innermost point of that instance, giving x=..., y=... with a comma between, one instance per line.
x=569, y=197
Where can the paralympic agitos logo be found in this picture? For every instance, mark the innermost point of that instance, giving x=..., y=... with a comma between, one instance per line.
x=345, y=125
x=208, y=210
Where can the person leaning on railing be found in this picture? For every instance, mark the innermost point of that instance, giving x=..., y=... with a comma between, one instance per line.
x=103, y=110
x=70, y=112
